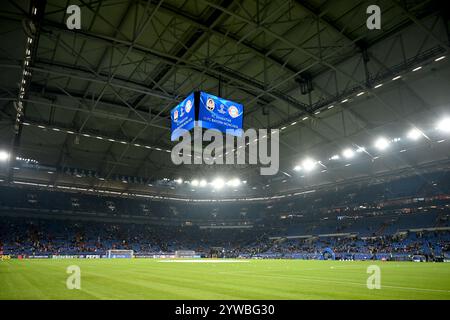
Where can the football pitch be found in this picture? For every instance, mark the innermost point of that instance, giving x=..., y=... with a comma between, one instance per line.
x=221, y=280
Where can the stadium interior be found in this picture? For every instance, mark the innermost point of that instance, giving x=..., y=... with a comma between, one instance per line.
x=363, y=118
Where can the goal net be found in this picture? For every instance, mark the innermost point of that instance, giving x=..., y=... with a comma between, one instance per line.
x=185, y=254
x=120, y=254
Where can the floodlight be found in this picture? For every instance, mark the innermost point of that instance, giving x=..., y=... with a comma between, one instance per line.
x=415, y=134
x=348, y=153
x=4, y=156
x=382, y=144
x=218, y=183
x=335, y=157
x=234, y=183
x=444, y=125
x=203, y=183
x=194, y=183
x=361, y=150
x=179, y=181
x=309, y=164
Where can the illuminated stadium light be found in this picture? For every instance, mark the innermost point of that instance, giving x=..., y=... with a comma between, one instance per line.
x=444, y=125
x=305, y=118
x=344, y=101
x=378, y=86
x=348, y=153
x=317, y=112
x=179, y=181
x=440, y=58
x=335, y=157
x=4, y=156
x=297, y=168
x=330, y=107
x=382, y=144
x=234, y=183
x=203, y=183
x=415, y=134
x=309, y=164
x=195, y=183
x=218, y=183
x=417, y=69
x=360, y=94
x=361, y=150
x=292, y=124
x=397, y=78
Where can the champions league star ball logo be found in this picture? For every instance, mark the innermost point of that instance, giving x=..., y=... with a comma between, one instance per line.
x=233, y=111
x=222, y=109
x=188, y=106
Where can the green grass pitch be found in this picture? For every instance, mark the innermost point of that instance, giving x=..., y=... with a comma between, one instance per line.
x=255, y=279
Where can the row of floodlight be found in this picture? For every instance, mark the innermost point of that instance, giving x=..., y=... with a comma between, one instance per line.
x=359, y=94
x=26, y=75
x=381, y=144
x=98, y=137
x=216, y=184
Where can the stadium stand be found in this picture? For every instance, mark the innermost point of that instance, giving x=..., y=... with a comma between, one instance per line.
x=408, y=217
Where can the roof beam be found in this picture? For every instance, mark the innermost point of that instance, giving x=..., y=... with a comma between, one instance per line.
x=323, y=18
x=216, y=73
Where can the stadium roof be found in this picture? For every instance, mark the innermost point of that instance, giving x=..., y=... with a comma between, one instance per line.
x=97, y=100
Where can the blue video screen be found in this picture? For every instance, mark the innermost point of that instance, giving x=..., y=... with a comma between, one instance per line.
x=183, y=117
x=220, y=114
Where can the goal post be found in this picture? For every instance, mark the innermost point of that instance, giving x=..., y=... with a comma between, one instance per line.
x=120, y=254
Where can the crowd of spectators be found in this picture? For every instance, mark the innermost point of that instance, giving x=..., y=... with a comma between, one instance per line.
x=60, y=237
